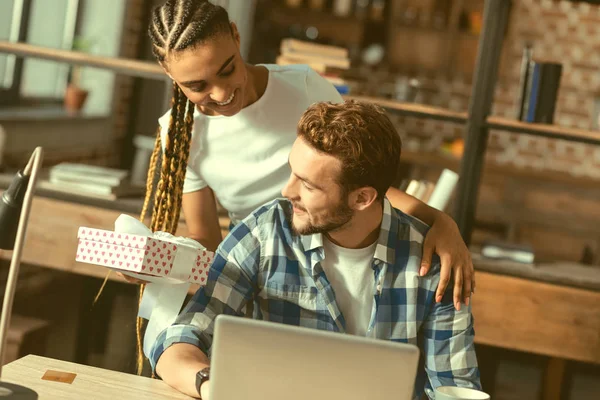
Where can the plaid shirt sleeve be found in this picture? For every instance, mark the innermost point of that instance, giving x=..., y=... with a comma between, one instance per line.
x=448, y=344
x=230, y=286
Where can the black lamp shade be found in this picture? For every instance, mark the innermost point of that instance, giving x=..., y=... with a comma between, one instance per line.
x=10, y=210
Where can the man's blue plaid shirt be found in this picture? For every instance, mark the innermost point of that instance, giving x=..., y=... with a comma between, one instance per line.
x=264, y=270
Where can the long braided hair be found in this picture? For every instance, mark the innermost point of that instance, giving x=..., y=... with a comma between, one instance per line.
x=175, y=26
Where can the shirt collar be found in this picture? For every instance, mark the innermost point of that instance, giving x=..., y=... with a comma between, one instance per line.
x=312, y=242
x=384, y=251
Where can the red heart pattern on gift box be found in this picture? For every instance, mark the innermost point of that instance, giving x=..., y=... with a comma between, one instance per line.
x=136, y=253
x=114, y=238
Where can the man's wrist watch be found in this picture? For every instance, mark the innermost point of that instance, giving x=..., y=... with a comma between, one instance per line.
x=202, y=376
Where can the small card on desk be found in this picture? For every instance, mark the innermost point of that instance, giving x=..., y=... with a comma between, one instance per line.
x=58, y=376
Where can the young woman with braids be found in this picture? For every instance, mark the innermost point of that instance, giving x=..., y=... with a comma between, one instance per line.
x=230, y=130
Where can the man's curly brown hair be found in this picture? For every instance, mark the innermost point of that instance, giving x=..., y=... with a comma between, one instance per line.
x=358, y=134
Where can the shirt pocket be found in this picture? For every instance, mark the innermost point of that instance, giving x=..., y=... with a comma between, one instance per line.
x=305, y=297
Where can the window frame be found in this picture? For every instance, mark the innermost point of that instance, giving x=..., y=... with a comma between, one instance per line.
x=11, y=95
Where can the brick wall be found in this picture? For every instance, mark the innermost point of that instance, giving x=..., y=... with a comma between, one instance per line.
x=562, y=31
x=543, y=191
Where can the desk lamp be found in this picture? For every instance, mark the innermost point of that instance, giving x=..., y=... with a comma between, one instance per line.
x=15, y=205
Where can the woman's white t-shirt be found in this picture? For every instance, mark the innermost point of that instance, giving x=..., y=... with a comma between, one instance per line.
x=244, y=158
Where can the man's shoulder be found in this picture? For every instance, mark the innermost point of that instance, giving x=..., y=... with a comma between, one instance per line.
x=269, y=217
x=267, y=222
x=407, y=234
x=409, y=227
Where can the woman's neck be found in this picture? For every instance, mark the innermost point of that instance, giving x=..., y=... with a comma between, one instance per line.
x=258, y=78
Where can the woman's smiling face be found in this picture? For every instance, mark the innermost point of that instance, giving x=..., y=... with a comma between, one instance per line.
x=212, y=74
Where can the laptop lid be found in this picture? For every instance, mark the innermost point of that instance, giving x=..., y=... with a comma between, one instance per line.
x=259, y=360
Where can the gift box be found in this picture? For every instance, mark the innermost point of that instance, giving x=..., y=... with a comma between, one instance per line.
x=143, y=254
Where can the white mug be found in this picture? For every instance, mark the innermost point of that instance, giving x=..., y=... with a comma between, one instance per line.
x=459, y=393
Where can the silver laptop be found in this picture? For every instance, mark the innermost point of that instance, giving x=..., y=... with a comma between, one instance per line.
x=258, y=360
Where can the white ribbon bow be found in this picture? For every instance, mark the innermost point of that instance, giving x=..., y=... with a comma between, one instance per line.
x=163, y=296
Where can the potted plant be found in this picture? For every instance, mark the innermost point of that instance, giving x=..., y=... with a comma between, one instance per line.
x=75, y=95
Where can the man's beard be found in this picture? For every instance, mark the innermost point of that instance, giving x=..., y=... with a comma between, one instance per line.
x=334, y=219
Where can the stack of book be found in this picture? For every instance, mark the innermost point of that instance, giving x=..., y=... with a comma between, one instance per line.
x=539, y=89
x=436, y=195
x=322, y=58
x=329, y=61
x=91, y=181
x=419, y=189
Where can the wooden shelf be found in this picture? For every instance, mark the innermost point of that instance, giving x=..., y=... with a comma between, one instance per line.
x=468, y=35
x=129, y=67
x=544, y=130
x=496, y=123
x=417, y=28
x=443, y=160
x=430, y=159
x=415, y=110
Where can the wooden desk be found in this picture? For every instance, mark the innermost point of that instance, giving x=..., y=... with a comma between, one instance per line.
x=556, y=321
x=536, y=317
x=90, y=382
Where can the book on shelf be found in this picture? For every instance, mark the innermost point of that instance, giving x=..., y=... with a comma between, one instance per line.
x=436, y=195
x=539, y=91
x=419, y=189
x=422, y=189
x=413, y=187
x=322, y=58
x=443, y=190
x=322, y=64
x=318, y=67
x=532, y=91
x=295, y=46
x=91, y=181
x=524, y=78
x=88, y=173
x=98, y=192
x=548, y=92
x=403, y=185
x=429, y=187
